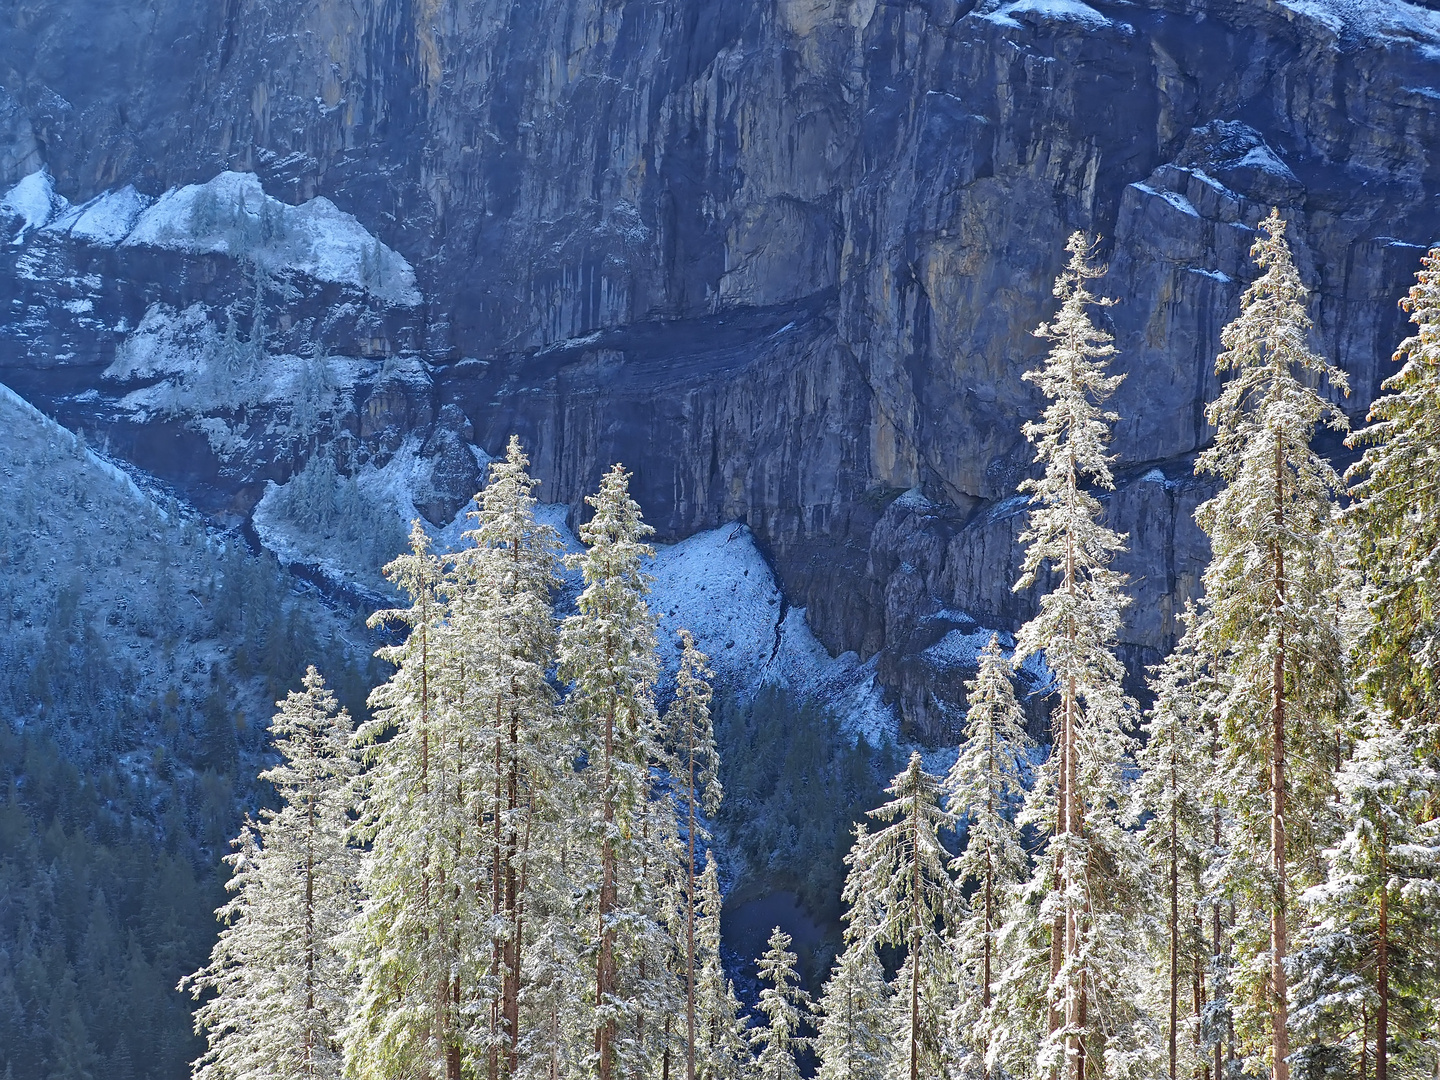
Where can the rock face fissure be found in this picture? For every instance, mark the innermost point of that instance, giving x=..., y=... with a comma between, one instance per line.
x=781, y=257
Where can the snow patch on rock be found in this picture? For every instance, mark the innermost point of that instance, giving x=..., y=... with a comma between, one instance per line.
x=1387, y=20
x=231, y=215
x=717, y=585
x=1066, y=11
x=105, y=220
x=34, y=201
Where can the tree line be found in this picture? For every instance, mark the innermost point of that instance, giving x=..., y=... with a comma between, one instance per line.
x=505, y=872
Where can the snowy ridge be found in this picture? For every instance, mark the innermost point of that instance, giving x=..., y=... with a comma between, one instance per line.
x=1061, y=11
x=228, y=215
x=1387, y=20
x=72, y=441
x=232, y=215
x=34, y=201
x=105, y=220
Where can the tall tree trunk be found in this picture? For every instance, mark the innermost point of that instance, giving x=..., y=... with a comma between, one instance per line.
x=1280, y=1012
x=1197, y=975
x=605, y=962
x=1174, y=922
x=690, y=922
x=915, y=933
x=1382, y=963
x=510, y=986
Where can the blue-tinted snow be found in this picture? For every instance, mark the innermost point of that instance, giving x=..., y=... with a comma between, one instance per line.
x=1174, y=198
x=1382, y=19
x=34, y=201
x=232, y=215
x=105, y=220
x=1071, y=11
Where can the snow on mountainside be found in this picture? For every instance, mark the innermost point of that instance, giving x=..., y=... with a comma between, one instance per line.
x=33, y=201
x=145, y=583
x=1394, y=20
x=717, y=585
x=228, y=215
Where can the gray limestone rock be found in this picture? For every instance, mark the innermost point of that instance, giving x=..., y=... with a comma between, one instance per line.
x=781, y=257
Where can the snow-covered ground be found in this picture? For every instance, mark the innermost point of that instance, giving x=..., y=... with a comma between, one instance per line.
x=205, y=373
x=717, y=585
x=1065, y=11
x=143, y=577
x=228, y=215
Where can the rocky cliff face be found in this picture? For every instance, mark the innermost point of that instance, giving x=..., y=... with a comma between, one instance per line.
x=782, y=257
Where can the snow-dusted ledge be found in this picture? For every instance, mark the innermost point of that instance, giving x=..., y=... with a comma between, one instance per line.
x=228, y=215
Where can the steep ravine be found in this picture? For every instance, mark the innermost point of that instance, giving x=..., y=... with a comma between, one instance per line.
x=782, y=257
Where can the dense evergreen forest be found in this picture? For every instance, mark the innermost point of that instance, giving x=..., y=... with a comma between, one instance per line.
x=505, y=871
x=503, y=863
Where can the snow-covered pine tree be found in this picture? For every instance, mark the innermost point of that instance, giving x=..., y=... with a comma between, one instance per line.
x=1371, y=959
x=1173, y=797
x=1396, y=512
x=985, y=787
x=691, y=737
x=424, y=980
x=786, y=1008
x=853, y=1013
x=901, y=894
x=277, y=972
x=722, y=1048
x=502, y=618
x=607, y=655
x=1272, y=621
x=556, y=1037
x=1092, y=862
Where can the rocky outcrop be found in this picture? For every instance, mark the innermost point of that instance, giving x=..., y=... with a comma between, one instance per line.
x=782, y=257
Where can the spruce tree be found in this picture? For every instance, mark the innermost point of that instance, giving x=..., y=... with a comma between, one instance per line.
x=607, y=655
x=901, y=894
x=692, y=741
x=1396, y=513
x=502, y=618
x=786, y=1008
x=985, y=787
x=1091, y=862
x=277, y=973
x=424, y=983
x=1372, y=955
x=1272, y=619
x=723, y=1049
x=854, y=1015
x=1172, y=795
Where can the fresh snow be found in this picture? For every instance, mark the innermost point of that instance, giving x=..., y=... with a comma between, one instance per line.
x=1072, y=11
x=193, y=371
x=34, y=201
x=1262, y=158
x=1387, y=20
x=105, y=220
x=232, y=215
x=1174, y=198
x=54, y=432
x=717, y=585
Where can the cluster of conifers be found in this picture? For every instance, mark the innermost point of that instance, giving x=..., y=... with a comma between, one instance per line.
x=1243, y=879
